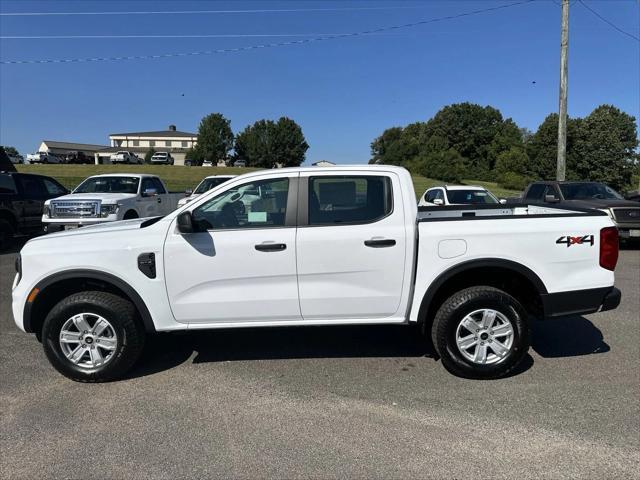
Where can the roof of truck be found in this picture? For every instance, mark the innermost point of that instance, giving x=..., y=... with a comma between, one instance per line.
x=137, y=175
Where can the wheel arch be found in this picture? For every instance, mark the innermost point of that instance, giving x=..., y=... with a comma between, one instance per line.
x=72, y=281
x=514, y=278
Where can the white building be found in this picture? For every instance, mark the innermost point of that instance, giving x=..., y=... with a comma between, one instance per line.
x=323, y=163
x=173, y=141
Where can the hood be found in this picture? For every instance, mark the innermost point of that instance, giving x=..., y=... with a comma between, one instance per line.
x=121, y=226
x=602, y=203
x=103, y=197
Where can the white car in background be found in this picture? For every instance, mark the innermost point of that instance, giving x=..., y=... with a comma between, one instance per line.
x=204, y=186
x=164, y=158
x=458, y=195
x=43, y=157
x=124, y=156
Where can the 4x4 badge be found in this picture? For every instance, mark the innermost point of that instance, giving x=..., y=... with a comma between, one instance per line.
x=579, y=240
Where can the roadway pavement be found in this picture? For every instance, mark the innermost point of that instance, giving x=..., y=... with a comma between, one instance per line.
x=365, y=402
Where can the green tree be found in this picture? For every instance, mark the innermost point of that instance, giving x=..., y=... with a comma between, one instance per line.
x=446, y=165
x=150, y=153
x=511, y=169
x=11, y=151
x=266, y=143
x=215, y=138
x=605, y=148
x=542, y=147
x=479, y=134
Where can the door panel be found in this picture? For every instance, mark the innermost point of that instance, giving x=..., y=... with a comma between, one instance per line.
x=242, y=268
x=352, y=269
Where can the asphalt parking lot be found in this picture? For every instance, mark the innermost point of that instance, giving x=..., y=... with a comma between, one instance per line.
x=330, y=402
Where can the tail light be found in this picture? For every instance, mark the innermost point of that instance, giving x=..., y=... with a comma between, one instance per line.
x=609, y=248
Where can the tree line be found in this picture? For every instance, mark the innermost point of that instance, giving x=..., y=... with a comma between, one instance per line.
x=467, y=140
x=263, y=144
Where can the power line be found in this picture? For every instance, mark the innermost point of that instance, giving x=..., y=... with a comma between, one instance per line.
x=199, y=12
x=221, y=35
x=611, y=24
x=267, y=45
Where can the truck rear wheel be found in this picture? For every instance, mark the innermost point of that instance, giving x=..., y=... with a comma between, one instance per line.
x=92, y=336
x=481, y=332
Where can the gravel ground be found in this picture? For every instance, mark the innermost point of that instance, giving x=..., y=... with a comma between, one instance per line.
x=330, y=402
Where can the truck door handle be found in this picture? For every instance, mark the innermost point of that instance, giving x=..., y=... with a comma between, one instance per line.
x=271, y=247
x=380, y=243
x=159, y=200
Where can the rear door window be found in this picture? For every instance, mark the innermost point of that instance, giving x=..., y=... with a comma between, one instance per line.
x=343, y=200
x=536, y=191
x=7, y=185
x=33, y=187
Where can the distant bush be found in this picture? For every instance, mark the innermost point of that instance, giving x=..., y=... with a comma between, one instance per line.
x=447, y=165
x=513, y=181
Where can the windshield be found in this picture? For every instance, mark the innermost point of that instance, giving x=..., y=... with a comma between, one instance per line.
x=588, y=191
x=209, y=183
x=109, y=185
x=471, y=197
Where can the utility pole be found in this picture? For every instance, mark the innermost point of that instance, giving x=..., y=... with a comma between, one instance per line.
x=562, y=113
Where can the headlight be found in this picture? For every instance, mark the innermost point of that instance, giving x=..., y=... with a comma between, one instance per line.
x=45, y=210
x=106, y=210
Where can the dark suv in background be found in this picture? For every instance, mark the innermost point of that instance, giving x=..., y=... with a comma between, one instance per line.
x=22, y=197
x=624, y=213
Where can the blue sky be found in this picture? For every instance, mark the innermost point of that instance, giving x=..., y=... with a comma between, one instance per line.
x=343, y=92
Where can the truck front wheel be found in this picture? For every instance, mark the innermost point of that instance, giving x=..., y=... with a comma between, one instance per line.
x=92, y=336
x=481, y=332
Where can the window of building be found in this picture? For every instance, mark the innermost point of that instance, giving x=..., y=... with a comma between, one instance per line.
x=152, y=143
x=136, y=143
x=167, y=143
x=349, y=199
x=185, y=144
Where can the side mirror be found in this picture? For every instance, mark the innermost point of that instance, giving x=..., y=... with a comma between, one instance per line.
x=188, y=192
x=438, y=201
x=551, y=199
x=503, y=201
x=185, y=223
x=150, y=192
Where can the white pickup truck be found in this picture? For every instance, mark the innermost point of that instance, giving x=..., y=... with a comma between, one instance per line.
x=125, y=157
x=308, y=246
x=107, y=198
x=43, y=157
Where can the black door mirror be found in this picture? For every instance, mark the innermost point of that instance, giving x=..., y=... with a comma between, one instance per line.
x=551, y=199
x=185, y=223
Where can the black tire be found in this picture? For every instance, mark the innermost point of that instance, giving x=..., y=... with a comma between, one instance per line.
x=130, y=215
x=454, y=310
x=6, y=234
x=116, y=310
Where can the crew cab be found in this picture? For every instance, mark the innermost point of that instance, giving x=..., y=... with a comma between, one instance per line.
x=22, y=197
x=107, y=198
x=624, y=213
x=124, y=156
x=205, y=185
x=307, y=246
x=43, y=157
x=458, y=195
x=163, y=158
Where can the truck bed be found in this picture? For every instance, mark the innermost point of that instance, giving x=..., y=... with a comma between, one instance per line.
x=453, y=212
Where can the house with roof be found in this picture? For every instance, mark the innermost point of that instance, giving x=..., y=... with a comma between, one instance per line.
x=175, y=142
x=60, y=149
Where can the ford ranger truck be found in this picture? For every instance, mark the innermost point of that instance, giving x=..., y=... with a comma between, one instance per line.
x=342, y=245
x=108, y=198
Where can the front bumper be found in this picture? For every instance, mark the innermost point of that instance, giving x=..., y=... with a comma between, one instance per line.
x=580, y=302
